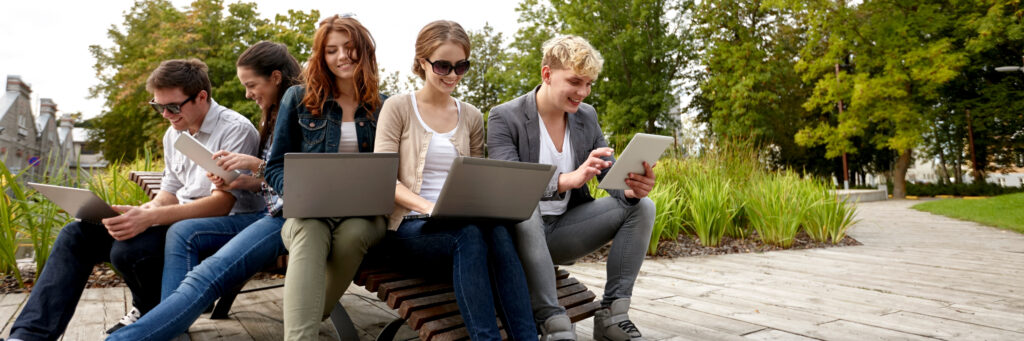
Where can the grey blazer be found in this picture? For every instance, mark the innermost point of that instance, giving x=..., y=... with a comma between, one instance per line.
x=513, y=134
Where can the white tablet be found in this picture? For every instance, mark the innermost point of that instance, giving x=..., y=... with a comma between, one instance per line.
x=643, y=147
x=198, y=153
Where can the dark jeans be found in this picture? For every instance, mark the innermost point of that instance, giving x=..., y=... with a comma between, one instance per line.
x=483, y=261
x=79, y=247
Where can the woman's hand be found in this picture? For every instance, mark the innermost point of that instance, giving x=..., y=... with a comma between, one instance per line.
x=234, y=161
x=244, y=182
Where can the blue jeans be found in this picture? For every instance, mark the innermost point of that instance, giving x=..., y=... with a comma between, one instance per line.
x=483, y=260
x=79, y=247
x=191, y=240
x=256, y=246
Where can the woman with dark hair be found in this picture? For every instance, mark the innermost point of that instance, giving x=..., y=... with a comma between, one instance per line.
x=429, y=129
x=334, y=110
x=265, y=69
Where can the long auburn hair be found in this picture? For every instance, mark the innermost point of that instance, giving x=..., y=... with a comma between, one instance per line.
x=320, y=81
x=263, y=58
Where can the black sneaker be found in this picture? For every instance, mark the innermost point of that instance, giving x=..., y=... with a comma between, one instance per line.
x=129, y=318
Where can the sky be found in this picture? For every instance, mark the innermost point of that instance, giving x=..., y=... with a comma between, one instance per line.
x=47, y=42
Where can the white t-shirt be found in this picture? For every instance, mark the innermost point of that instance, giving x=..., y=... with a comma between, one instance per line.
x=549, y=155
x=441, y=153
x=349, y=143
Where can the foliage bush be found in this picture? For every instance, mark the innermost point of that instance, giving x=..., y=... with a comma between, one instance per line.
x=972, y=189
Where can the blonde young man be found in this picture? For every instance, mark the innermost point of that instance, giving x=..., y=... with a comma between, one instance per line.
x=552, y=125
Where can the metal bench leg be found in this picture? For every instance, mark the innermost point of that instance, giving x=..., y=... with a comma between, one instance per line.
x=223, y=307
x=389, y=331
x=343, y=324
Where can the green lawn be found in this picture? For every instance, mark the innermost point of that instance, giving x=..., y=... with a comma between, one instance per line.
x=1004, y=211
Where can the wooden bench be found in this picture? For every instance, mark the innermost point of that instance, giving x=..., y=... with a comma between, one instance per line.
x=426, y=304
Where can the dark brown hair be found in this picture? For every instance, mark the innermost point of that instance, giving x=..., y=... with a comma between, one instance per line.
x=263, y=58
x=320, y=82
x=433, y=36
x=188, y=74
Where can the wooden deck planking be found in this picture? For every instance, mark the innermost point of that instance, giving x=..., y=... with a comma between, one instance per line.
x=918, y=277
x=10, y=307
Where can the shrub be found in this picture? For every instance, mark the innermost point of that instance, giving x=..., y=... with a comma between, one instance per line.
x=776, y=206
x=828, y=214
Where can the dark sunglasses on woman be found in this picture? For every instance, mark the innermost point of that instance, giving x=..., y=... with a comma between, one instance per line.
x=444, y=67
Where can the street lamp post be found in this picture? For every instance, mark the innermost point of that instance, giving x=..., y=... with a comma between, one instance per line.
x=846, y=172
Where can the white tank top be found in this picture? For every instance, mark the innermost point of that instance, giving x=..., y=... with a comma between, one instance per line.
x=349, y=143
x=441, y=153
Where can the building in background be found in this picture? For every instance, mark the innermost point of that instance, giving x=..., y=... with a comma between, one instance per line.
x=31, y=141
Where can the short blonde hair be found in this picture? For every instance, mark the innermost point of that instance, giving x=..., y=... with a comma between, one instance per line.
x=569, y=52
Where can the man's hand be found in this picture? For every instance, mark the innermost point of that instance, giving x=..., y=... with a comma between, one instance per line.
x=641, y=184
x=132, y=221
x=586, y=171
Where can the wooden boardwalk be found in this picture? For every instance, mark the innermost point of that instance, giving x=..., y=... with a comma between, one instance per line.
x=917, y=277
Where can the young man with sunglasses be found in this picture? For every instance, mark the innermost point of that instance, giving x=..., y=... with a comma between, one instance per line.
x=552, y=125
x=134, y=241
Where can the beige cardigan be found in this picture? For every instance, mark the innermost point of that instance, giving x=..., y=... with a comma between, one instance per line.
x=399, y=131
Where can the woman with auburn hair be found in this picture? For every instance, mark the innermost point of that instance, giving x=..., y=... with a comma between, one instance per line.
x=334, y=110
x=266, y=69
x=429, y=129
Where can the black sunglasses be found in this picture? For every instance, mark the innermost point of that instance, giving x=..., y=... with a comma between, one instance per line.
x=444, y=67
x=173, y=108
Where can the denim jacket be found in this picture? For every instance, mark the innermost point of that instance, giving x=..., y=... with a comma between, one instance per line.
x=297, y=130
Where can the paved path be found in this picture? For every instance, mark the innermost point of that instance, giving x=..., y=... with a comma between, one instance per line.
x=918, y=277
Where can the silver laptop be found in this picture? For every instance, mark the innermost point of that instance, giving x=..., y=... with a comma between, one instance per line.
x=490, y=189
x=80, y=203
x=319, y=185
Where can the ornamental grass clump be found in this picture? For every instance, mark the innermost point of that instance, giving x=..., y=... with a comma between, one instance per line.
x=776, y=207
x=828, y=214
x=709, y=206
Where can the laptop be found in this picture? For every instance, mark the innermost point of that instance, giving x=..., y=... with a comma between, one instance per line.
x=321, y=185
x=490, y=189
x=80, y=203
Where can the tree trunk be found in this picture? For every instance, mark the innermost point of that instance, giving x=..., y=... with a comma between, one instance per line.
x=958, y=170
x=899, y=174
x=943, y=172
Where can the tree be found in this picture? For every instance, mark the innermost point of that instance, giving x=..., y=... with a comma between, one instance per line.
x=747, y=86
x=992, y=34
x=482, y=85
x=153, y=31
x=643, y=51
x=901, y=56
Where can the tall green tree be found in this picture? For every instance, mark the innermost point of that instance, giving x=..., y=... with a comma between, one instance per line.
x=747, y=86
x=900, y=55
x=642, y=45
x=153, y=31
x=989, y=102
x=483, y=86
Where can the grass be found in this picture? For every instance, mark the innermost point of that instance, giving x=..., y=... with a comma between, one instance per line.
x=1003, y=211
x=25, y=215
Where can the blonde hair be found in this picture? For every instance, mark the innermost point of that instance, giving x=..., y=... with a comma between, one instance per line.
x=572, y=53
x=433, y=36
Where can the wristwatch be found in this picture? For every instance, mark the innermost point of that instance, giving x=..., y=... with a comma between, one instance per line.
x=260, y=170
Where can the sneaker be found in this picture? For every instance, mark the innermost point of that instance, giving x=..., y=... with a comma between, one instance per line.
x=558, y=328
x=612, y=323
x=132, y=316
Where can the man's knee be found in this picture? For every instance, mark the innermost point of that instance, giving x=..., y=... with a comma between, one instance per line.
x=646, y=209
x=125, y=254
